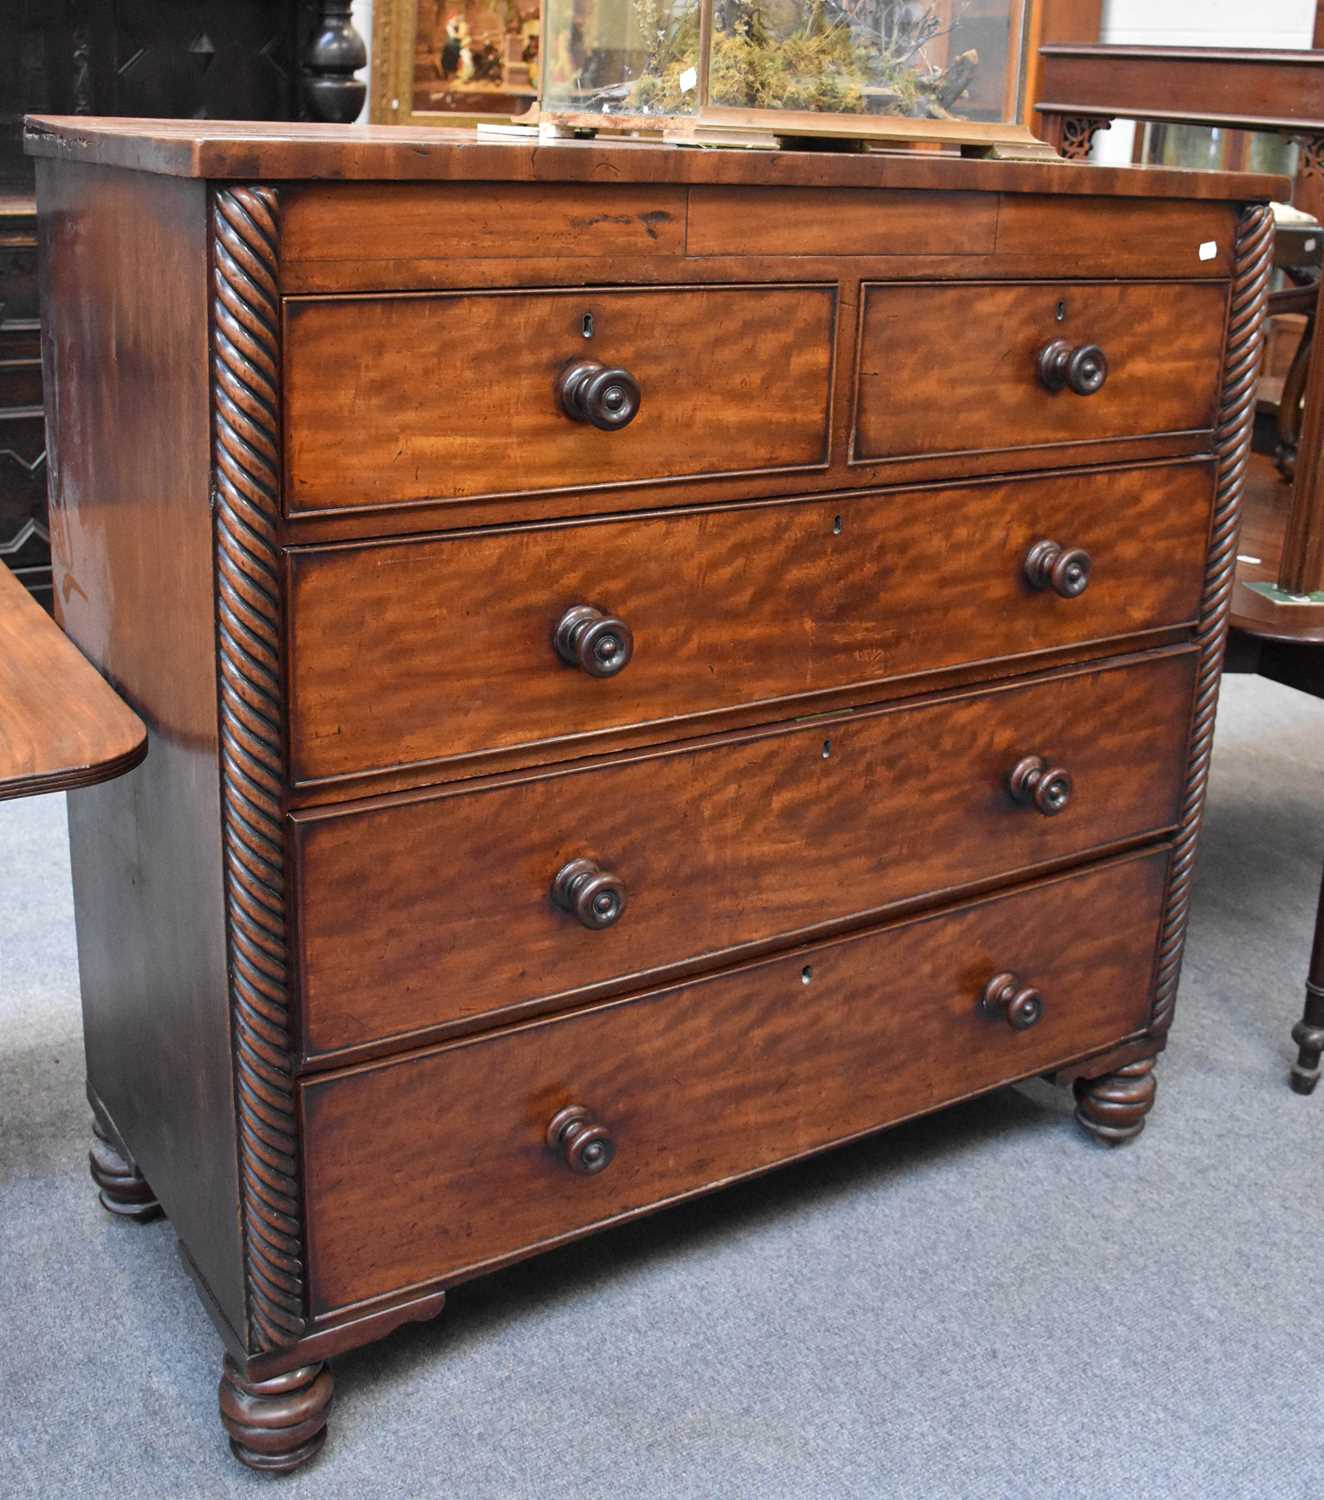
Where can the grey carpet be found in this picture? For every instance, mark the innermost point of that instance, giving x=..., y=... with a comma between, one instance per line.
x=980, y=1304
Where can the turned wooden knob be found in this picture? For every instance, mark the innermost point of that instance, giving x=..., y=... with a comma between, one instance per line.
x=1041, y=786
x=1065, y=570
x=1018, y=1004
x=585, y=1146
x=591, y=392
x=589, y=893
x=600, y=644
x=1082, y=369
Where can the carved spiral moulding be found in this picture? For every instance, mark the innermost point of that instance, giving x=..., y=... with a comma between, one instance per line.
x=1245, y=339
x=246, y=460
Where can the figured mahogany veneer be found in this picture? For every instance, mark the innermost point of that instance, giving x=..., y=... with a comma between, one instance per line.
x=456, y=235
x=652, y=670
x=405, y=653
x=808, y=221
x=1161, y=341
x=473, y=221
x=1135, y=237
x=433, y=1167
x=733, y=379
x=749, y=839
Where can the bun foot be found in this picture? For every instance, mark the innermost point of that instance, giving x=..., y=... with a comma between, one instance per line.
x=278, y=1424
x=1113, y=1108
x=123, y=1188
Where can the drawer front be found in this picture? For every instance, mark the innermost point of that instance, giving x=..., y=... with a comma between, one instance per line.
x=434, y=1165
x=407, y=653
x=406, y=398
x=447, y=221
x=954, y=368
x=426, y=912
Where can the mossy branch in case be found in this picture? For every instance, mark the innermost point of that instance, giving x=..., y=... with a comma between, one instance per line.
x=838, y=56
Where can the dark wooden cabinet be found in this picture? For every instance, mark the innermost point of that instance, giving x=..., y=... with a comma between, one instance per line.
x=24, y=540
x=184, y=59
x=199, y=59
x=765, y=696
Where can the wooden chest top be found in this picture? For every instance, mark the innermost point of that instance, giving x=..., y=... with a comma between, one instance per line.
x=242, y=150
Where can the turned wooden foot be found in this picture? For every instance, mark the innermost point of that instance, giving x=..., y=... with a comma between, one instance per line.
x=276, y=1424
x=1113, y=1108
x=123, y=1188
x=1308, y=1034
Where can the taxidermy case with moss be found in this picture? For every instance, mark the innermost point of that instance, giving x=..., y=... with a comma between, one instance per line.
x=944, y=70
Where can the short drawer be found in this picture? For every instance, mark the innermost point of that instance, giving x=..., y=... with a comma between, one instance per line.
x=955, y=368
x=430, y=1167
x=431, y=910
x=406, y=653
x=445, y=396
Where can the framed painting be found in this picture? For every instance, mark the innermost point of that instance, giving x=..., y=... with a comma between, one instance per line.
x=441, y=62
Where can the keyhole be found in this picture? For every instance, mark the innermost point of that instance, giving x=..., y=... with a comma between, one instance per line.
x=827, y=749
x=836, y=525
x=807, y=974
x=588, y=325
x=1061, y=313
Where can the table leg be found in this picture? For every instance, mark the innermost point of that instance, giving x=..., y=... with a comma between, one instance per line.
x=1308, y=1033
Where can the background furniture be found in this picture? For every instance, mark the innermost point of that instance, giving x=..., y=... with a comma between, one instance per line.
x=414, y=60
x=1082, y=89
x=61, y=725
x=24, y=540
x=802, y=774
x=199, y=59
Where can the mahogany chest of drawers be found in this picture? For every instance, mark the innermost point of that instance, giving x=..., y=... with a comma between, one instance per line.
x=658, y=662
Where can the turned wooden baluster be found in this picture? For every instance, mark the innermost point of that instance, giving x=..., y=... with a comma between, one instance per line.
x=334, y=55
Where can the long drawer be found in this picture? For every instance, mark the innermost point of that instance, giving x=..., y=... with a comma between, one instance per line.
x=427, y=1168
x=1161, y=342
x=407, y=653
x=443, y=396
x=417, y=913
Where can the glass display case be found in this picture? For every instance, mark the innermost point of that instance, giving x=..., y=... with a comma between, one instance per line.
x=939, y=70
